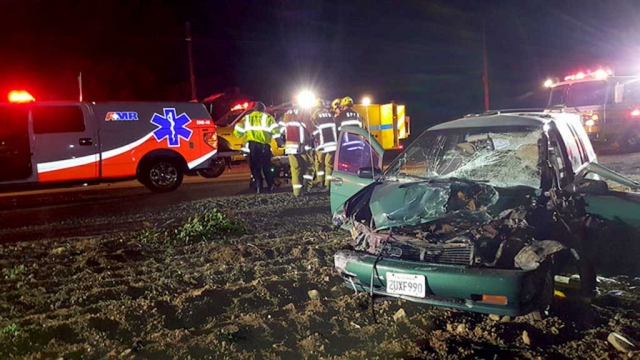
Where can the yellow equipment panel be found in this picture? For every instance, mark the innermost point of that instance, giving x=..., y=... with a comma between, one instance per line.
x=387, y=123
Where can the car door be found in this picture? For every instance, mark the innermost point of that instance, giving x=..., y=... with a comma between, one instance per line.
x=357, y=153
x=613, y=238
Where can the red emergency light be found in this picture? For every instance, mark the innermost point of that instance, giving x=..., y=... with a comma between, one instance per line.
x=240, y=106
x=20, y=96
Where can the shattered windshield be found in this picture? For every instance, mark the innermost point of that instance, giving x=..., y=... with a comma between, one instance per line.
x=502, y=156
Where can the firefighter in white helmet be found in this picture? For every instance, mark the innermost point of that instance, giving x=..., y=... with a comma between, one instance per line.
x=347, y=115
x=326, y=142
x=298, y=147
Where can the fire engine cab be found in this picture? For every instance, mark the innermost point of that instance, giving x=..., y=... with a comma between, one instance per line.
x=63, y=143
x=609, y=106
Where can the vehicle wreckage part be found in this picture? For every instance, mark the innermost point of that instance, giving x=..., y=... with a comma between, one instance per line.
x=530, y=257
x=447, y=285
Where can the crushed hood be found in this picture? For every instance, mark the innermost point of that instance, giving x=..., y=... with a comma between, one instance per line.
x=393, y=203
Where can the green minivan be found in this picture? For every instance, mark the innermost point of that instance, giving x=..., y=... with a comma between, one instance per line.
x=481, y=213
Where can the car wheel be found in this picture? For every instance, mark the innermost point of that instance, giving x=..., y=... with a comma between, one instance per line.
x=162, y=175
x=215, y=170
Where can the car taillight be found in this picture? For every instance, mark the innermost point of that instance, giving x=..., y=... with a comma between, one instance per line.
x=211, y=138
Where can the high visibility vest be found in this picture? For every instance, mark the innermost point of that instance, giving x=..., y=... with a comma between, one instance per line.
x=325, y=133
x=298, y=139
x=258, y=127
x=348, y=117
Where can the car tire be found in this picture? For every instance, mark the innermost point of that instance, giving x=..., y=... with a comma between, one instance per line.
x=544, y=298
x=630, y=140
x=215, y=170
x=161, y=175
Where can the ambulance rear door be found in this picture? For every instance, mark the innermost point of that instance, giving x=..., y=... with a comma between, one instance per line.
x=65, y=142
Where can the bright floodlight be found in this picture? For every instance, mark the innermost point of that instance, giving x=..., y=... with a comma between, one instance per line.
x=366, y=101
x=548, y=83
x=306, y=99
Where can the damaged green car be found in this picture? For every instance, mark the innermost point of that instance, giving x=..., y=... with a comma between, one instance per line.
x=481, y=213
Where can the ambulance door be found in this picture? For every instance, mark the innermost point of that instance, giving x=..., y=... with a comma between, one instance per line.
x=65, y=142
x=15, y=149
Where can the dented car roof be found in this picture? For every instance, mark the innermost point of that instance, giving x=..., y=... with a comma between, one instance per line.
x=523, y=119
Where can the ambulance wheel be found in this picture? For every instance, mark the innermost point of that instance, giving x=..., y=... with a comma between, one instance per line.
x=215, y=170
x=162, y=175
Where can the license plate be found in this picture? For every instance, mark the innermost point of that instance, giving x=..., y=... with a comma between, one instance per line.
x=406, y=284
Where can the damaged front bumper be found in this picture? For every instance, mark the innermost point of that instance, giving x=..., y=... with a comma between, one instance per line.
x=507, y=292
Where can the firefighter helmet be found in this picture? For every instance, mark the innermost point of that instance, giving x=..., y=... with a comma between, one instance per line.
x=259, y=106
x=335, y=103
x=346, y=101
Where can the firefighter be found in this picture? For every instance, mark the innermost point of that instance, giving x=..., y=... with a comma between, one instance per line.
x=326, y=141
x=257, y=128
x=335, y=106
x=298, y=146
x=347, y=115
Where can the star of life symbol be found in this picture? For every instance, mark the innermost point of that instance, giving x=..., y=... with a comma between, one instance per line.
x=171, y=126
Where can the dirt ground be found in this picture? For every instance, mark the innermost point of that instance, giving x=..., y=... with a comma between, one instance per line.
x=138, y=293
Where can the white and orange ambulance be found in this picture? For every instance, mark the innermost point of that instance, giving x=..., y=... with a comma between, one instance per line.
x=66, y=143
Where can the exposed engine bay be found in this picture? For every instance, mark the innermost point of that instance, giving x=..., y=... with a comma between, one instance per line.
x=463, y=223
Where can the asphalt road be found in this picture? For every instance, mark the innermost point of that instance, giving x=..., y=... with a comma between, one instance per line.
x=76, y=209
x=91, y=210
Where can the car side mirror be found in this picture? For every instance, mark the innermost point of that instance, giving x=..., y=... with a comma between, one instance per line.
x=369, y=172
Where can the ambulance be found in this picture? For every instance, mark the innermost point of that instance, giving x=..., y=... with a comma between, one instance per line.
x=66, y=143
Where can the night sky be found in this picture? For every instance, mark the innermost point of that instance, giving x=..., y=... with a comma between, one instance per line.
x=426, y=54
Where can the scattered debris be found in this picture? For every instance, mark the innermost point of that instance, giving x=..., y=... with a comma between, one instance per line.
x=314, y=294
x=621, y=343
x=525, y=337
x=399, y=315
x=494, y=317
x=505, y=319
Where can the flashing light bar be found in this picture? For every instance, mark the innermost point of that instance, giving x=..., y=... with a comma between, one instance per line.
x=599, y=74
x=20, y=96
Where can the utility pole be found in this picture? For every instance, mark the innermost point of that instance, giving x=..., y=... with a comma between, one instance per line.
x=192, y=76
x=485, y=73
x=80, y=85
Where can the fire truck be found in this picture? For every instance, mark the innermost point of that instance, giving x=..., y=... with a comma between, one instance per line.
x=66, y=143
x=609, y=106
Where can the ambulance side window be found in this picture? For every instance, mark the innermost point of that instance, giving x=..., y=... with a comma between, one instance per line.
x=355, y=153
x=57, y=119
